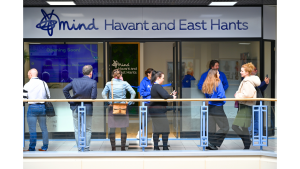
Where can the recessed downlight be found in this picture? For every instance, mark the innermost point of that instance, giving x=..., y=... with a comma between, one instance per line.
x=222, y=3
x=61, y=2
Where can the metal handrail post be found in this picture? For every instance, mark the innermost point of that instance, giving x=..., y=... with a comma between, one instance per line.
x=143, y=141
x=204, y=126
x=261, y=138
x=81, y=127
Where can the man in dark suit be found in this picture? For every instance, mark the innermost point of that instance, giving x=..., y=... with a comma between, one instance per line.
x=83, y=88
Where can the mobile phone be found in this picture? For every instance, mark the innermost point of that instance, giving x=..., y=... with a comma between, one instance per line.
x=267, y=76
x=172, y=92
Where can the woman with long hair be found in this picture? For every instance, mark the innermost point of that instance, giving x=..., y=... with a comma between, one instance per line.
x=213, y=88
x=158, y=109
x=244, y=115
x=120, y=88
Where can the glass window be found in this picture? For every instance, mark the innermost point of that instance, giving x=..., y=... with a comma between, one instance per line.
x=58, y=63
x=196, y=57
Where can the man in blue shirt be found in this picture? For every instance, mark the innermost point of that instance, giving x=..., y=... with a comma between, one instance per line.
x=214, y=64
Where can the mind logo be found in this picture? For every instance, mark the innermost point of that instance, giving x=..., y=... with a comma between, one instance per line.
x=48, y=23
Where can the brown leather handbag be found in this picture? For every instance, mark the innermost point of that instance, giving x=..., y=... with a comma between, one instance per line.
x=118, y=108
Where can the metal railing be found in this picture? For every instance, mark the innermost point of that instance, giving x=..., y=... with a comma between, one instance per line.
x=261, y=139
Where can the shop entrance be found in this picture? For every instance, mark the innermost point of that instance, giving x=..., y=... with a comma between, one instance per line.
x=133, y=58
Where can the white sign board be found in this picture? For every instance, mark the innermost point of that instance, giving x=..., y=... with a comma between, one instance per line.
x=142, y=22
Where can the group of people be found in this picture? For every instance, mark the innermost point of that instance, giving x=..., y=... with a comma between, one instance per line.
x=150, y=87
x=213, y=84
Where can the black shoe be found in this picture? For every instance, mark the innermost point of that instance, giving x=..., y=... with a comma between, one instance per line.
x=156, y=148
x=165, y=148
x=211, y=147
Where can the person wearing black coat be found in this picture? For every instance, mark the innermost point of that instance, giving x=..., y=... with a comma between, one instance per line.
x=158, y=110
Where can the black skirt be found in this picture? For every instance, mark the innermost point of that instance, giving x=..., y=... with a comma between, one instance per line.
x=159, y=118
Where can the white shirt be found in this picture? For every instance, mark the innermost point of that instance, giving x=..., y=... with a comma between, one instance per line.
x=36, y=90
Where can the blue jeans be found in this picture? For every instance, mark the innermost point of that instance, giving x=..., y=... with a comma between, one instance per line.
x=88, y=129
x=255, y=124
x=37, y=112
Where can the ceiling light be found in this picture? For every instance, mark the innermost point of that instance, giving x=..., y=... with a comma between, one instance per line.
x=244, y=43
x=222, y=3
x=61, y=2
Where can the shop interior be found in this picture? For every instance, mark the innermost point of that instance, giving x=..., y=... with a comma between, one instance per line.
x=174, y=58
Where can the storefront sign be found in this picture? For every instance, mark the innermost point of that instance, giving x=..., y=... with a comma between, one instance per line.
x=172, y=22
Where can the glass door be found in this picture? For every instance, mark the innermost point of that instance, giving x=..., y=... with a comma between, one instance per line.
x=176, y=85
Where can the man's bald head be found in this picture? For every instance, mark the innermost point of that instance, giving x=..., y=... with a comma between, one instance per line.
x=33, y=72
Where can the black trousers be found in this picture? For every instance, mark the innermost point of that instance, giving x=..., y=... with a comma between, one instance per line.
x=217, y=116
x=165, y=137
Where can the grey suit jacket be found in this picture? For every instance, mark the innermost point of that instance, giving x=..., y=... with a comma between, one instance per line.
x=83, y=88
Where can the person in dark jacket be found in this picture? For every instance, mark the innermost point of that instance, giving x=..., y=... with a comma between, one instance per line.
x=83, y=88
x=263, y=86
x=213, y=88
x=158, y=109
x=145, y=89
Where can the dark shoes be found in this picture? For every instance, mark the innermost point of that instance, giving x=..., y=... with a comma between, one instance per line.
x=123, y=141
x=156, y=148
x=165, y=148
x=211, y=147
x=112, y=138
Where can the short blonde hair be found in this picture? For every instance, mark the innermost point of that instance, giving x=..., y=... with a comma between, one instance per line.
x=249, y=67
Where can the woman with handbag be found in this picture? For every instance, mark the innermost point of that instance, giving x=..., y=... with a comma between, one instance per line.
x=213, y=88
x=244, y=115
x=118, y=116
x=158, y=109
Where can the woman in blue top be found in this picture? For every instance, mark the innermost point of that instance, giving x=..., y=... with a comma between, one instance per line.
x=120, y=88
x=213, y=88
x=145, y=89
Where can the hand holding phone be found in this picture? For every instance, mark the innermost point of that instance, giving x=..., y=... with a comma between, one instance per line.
x=173, y=93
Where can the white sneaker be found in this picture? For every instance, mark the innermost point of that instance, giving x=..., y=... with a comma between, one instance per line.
x=138, y=135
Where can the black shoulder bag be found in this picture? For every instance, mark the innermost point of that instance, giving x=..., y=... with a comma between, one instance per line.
x=50, y=112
